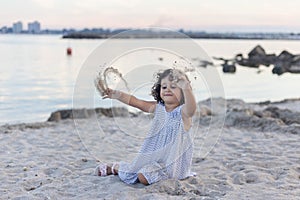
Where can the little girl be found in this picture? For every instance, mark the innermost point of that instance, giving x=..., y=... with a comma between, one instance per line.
x=168, y=148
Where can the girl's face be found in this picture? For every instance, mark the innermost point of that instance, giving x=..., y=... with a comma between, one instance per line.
x=170, y=92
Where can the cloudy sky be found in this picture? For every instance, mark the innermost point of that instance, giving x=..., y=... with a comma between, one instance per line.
x=208, y=15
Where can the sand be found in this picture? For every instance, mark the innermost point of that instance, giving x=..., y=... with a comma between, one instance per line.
x=253, y=158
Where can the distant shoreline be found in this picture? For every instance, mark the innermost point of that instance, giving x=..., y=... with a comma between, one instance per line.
x=209, y=38
x=148, y=34
x=183, y=35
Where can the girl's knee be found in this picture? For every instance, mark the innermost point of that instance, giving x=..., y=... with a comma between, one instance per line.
x=142, y=179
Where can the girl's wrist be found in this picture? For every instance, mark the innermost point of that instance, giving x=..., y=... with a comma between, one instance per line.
x=116, y=95
x=186, y=85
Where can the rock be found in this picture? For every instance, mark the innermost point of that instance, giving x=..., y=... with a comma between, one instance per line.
x=256, y=57
x=286, y=115
x=251, y=177
x=86, y=113
x=113, y=112
x=61, y=114
x=228, y=67
x=286, y=62
x=238, y=179
x=257, y=51
x=296, y=60
x=285, y=56
x=55, y=117
x=81, y=113
x=205, y=111
x=270, y=119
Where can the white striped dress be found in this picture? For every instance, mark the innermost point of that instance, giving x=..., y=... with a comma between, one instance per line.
x=166, y=152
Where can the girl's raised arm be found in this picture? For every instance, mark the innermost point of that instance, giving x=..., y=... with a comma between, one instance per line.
x=190, y=105
x=145, y=106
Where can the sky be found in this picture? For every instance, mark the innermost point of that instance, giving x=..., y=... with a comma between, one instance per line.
x=200, y=15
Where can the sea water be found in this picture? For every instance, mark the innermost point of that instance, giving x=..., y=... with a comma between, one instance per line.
x=37, y=77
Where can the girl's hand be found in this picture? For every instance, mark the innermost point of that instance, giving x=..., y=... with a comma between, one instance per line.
x=111, y=94
x=180, y=79
x=183, y=83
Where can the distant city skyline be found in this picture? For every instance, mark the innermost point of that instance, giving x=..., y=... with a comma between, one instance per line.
x=214, y=15
x=17, y=27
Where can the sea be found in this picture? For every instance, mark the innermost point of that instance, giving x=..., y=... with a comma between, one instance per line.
x=37, y=76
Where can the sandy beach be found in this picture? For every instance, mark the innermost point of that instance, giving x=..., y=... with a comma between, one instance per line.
x=256, y=156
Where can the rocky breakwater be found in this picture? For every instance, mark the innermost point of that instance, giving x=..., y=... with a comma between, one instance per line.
x=282, y=63
x=283, y=116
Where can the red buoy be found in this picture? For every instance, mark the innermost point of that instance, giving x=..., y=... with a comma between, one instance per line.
x=69, y=51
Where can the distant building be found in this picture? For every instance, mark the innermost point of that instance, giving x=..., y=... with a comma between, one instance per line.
x=4, y=29
x=17, y=27
x=34, y=27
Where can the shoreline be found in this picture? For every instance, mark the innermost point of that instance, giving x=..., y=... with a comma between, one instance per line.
x=122, y=111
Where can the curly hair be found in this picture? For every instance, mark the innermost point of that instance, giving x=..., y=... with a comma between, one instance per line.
x=155, y=91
